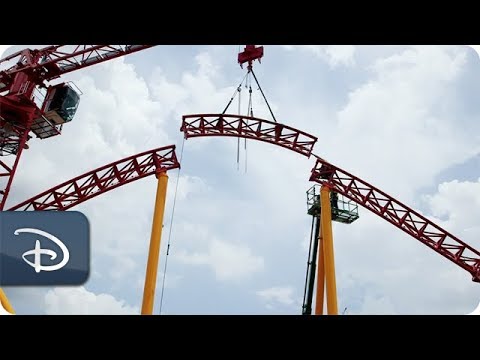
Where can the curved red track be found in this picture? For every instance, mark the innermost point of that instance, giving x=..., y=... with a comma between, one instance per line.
x=249, y=128
x=103, y=179
x=399, y=215
x=109, y=177
x=340, y=181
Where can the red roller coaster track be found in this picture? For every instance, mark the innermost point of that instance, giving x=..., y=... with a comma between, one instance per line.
x=249, y=128
x=103, y=179
x=342, y=182
x=399, y=215
x=111, y=176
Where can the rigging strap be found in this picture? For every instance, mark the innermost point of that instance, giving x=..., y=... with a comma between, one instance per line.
x=264, y=97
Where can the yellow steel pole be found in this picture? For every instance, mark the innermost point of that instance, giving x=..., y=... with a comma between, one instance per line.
x=155, y=241
x=326, y=216
x=320, y=274
x=5, y=303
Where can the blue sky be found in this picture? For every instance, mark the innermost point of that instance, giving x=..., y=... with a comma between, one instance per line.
x=403, y=118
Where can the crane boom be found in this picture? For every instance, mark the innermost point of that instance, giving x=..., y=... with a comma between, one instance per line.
x=20, y=112
x=52, y=61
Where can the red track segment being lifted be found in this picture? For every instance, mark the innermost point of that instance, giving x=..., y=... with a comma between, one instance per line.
x=399, y=215
x=249, y=128
x=103, y=179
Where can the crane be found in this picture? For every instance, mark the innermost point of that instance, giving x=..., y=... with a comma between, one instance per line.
x=20, y=112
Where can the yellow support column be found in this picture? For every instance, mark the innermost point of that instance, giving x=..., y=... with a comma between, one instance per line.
x=320, y=275
x=155, y=241
x=326, y=216
x=5, y=303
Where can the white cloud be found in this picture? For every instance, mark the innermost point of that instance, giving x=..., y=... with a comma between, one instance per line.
x=402, y=124
x=459, y=200
x=228, y=261
x=372, y=305
x=277, y=295
x=340, y=54
x=190, y=185
x=171, y=94
x=79, y=301
x=335, y=55
x=123, y=265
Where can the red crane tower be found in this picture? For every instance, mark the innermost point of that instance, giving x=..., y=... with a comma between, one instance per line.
x=21, y=114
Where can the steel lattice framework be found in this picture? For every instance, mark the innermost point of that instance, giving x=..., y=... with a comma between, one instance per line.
x=52, y=61
x=249, y=128
x=398, y=214
x=103, y=179
x=19, y=114
x=340, y=181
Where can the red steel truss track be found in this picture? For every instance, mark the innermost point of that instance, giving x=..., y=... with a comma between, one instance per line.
x=249, y=128
x=109, y=177
x=399, y=215
x=340, y=181
x=103, y=179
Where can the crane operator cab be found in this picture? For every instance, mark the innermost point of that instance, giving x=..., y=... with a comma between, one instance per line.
x=59, y=107
x=61, y=103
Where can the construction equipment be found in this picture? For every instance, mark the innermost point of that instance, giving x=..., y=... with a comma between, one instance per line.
x=340, y=210
x=22, y=110
x=29, y=103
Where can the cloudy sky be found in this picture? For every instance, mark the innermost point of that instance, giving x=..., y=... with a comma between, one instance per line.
x=403, y=118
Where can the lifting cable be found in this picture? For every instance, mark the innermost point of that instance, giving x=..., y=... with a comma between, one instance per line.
x=237, y=90
x=239, y=113
x=264, y=97
x=248, y=85
x=170, y=230
x=249, y=113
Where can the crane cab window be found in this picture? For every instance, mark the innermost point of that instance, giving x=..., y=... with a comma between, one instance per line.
x=61, y=104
